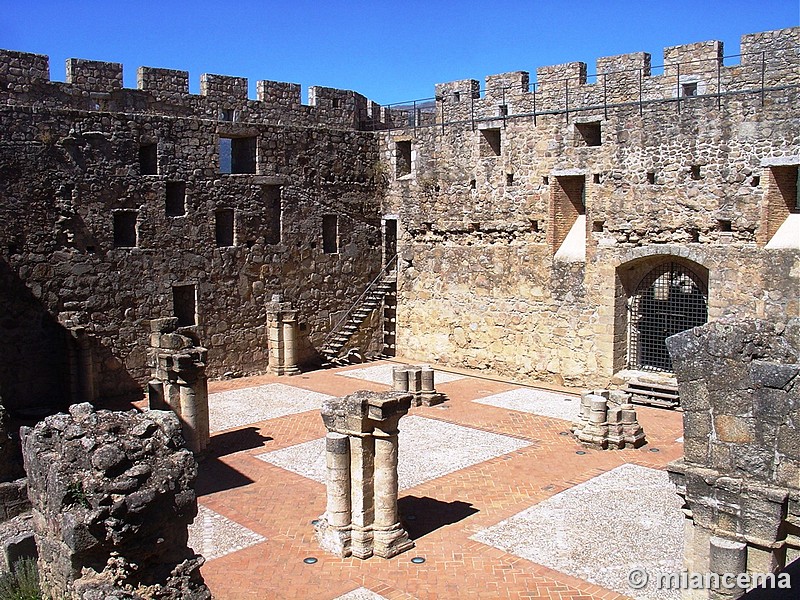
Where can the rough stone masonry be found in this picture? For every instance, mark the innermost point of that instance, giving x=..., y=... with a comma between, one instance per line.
x=545, y=231
x=112, y=497
x=739, y=382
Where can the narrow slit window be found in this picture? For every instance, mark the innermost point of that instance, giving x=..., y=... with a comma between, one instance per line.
x=148, y=159
x=224, y=227
x=330, y=234
x=125, y=229
x=403, y=158
x=176, y=199
x=272, y=204
x=184, y=304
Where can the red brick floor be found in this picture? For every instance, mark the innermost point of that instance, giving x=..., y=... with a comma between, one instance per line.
x=280, y=504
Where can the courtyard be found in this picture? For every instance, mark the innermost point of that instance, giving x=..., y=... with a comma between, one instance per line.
x=500, y=500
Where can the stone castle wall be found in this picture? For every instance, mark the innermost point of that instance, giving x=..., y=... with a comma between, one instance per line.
x=498, y=178
x=123, y=205
x=81, y=157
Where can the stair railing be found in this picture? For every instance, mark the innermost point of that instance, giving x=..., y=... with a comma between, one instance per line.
x=385, y=270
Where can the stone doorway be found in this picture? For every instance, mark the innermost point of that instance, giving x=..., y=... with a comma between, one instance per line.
x=669, y=299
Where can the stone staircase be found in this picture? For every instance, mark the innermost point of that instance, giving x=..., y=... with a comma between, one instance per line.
x=383, y=287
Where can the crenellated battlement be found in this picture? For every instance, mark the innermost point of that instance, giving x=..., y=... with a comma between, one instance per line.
x=767, y=60
x=96, y=85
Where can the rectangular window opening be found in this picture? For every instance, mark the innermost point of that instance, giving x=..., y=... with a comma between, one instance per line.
x=456, y=96
x=237, y=155
x=125, y=228
x=509, y=179
x=403, y=158
x=598, y=226
x=689, y=89
x=473, y=184
x=651, y=178
x=148, y=159
x=227, y=114
x=184, y=304
x=272, y=204
x=490, y=142
x=330, y=234
x=596, y=178
x=502, y=110
x=724, y=225
x=224, y=227
x=755, y=181
x=589, y=134
x=695, y=172
x=176, y=199
x=545, y=180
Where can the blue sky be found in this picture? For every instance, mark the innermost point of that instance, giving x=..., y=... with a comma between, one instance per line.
x=388, y=51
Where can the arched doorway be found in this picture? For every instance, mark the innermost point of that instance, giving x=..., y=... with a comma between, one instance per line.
x=670, y=298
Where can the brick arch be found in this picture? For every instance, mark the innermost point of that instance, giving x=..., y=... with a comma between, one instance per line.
x=664, y=294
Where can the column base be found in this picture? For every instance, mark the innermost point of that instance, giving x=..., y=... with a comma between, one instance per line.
x=391, y=542
x=335, y=540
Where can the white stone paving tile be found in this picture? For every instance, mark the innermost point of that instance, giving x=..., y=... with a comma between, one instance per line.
x=383, y=374
x=214, y=535
x=361, y=593
x=538, y=402
x=629, y=517
x=428, y=449
x=236, y=408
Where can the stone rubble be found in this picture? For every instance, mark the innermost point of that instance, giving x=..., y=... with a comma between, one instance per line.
x=112, y=496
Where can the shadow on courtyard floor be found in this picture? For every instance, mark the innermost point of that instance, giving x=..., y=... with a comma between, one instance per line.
x=215, y=475
x=422, y=516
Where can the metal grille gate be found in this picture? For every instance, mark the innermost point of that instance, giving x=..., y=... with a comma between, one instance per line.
x=670, y=299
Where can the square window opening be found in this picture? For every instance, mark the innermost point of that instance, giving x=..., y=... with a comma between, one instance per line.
x=689, y=89
x=402, y=158
x=125, y=228
x=335, y=102
x=598, y=226
x=176, y=198
x=184, y=304
x=724, y=225
x=224, y=227
x=148, y=159
x=589, y=134
x=490, y=142
x=237, y=155
x=330, y=234
x=502, y=110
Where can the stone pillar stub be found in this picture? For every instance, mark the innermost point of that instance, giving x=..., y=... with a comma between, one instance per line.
x=362, y=517
x=282, y=334
x=178, y=380
x=419, y=382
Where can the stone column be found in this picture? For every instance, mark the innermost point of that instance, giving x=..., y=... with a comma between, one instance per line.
x=399, y=379
x=362, y=517
x=390, y=539
x=282, y=337
x=179, y=382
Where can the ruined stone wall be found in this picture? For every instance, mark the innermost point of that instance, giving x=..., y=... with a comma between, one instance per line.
x=75, y=156
x=669, y=173
x=740, y=476
x=113, y=495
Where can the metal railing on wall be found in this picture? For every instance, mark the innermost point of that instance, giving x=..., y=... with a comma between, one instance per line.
x=667, y=83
